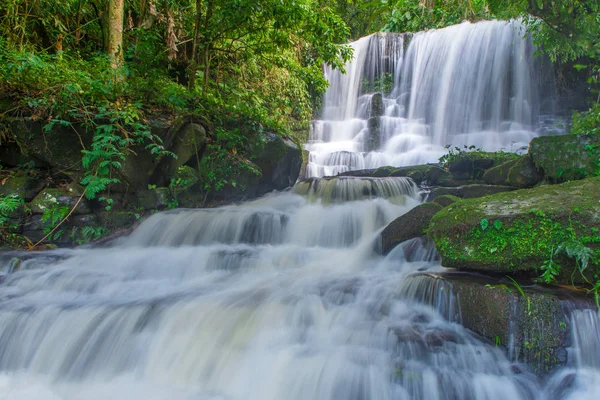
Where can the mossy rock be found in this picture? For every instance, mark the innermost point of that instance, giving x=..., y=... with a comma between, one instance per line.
x=377, y=106
x=518, y=231
x=408, y=226
x=26, y=187
x=154, y=199
x=473, y=164
x=499, y=174
x=523, y=173
x=566, y=157
x=469, y=191
x=446, y=199
x=60, y=147
x=529, y=319
x=421, y=173
x=68, y=196
x=114, y=220
x=279, y=159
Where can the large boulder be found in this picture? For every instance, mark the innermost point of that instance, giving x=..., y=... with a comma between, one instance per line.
x=566, y=157
x=499, y=174
x=411, y=225
x=473, y=164
x=529, y=321
x=280, y=160
x=26, y=187
x=522, y=230
x=51, y=199
x=469, y=191
x=523, y=173
x=59, y=147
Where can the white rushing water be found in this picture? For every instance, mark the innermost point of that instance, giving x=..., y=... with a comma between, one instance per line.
x=279, y=298
x=470, y=84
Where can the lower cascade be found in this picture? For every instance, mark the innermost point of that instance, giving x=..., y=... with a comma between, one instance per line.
x=285, y=297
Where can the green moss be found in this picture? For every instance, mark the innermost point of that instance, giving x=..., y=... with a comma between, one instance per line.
x=446, y=199
x=566, y=157
x=517, y=231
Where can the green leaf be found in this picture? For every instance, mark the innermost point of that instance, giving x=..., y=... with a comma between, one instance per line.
x=484, y=223
x=498, y=224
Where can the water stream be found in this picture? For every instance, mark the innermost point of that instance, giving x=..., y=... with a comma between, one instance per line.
x=284, y=297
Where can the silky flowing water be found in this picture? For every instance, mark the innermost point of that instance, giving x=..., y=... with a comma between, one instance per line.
x=467, y=85
x=281, y=298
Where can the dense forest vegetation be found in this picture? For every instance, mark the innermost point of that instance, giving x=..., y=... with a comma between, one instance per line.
x=247, y=66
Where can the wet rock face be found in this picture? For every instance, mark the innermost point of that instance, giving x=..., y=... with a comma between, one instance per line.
x=408, y=226
x=520, y=230
x=531, y=323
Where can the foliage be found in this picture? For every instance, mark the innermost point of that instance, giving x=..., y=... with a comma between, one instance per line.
x=255, y=61
x=8, y=206
x=417, y=15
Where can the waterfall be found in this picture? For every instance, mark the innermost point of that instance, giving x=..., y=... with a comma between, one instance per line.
x=406, y=96
x=286, y=297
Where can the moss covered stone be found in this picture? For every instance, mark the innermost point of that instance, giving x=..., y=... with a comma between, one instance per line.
x=497, y=175
x=54, y=198
x=469, y=191
x=529, y=319
x=408, y=226
x=566, y=157
x=446, y=199
x=25, y=187
x=473, y=164
x=518, y=231
x=523, y=173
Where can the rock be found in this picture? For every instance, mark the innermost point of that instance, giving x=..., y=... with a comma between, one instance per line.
x=60, y=147
x=469, y=191
x=424, y=173
x=117, y=220
x=446, y=199
x=83, y=220
x=408, y=226
x=374, y=134
x=520, y=230
x=26, y=187
x=566, y=157
x=473, y=164
x=523, y=174
x=154, y=199
x=280, y=160
x=187, y=142
x=54, y=198
x=530, y=321
x=499, y=174
x=377, y=108
x=11, y=156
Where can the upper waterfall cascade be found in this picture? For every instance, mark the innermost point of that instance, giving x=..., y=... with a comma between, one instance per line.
x=470, y=84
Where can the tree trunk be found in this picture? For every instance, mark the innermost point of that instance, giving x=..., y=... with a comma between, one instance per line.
x=195, y=47
x=114, y=46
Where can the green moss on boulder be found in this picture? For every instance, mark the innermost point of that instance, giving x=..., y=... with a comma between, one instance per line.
x=446, y=199
x=523, y=173
x=518, y=231
x=499, y=174
x=473, y=164
x=566, y=157
x=25, y=187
